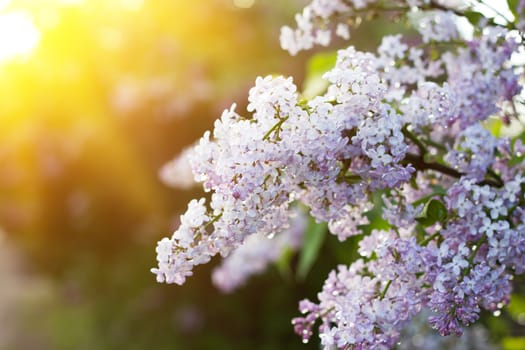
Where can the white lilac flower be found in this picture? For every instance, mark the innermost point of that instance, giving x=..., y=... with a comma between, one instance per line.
x=373, y=314
x=177, y=173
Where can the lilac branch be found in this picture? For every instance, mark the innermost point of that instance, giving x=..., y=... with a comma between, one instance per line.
x=419, y=163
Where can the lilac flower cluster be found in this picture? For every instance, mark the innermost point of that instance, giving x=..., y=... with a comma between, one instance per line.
x=313, y=23
x=256, y=167
x=475, y=259
x=370, y=301
x=310, y=23
x=404, y=123
x=454, y=272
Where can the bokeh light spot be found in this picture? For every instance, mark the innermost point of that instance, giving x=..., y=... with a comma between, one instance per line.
x=18, y=35
x=244, y=3
x=132, y=5
x=4, y=3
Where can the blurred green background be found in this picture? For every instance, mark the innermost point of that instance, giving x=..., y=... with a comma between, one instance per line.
x=96, y=95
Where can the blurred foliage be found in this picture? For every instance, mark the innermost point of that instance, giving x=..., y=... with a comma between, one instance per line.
x=112, y=91
x=312, y=242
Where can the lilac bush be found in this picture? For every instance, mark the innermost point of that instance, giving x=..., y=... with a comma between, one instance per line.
x=410, y=122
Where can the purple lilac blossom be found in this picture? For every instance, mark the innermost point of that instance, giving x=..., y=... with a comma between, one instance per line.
x=405, y=123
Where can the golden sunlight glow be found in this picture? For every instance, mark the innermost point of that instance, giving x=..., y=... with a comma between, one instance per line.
x=18, y=35
x=132, y=5
x=72, y=2
x=4, y=3
x=244, y=3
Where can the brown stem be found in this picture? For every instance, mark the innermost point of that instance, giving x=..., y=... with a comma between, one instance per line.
x=419, y=163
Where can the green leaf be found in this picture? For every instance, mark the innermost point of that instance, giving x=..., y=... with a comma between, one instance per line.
x=320, y=63
x=375, y=215
x=513, y=343
x=494, y=125
x=473, y=16
x=517, y=158
x=438, y=191
x=314, y=84
x=433, y=211
x=516, y=307
x=283, y=264
x=313, y=240
x=513, y=7
x=344, y=252
x=521, y=136
x=434, y=54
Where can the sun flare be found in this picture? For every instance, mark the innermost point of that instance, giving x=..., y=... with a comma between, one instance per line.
x=18, y=35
